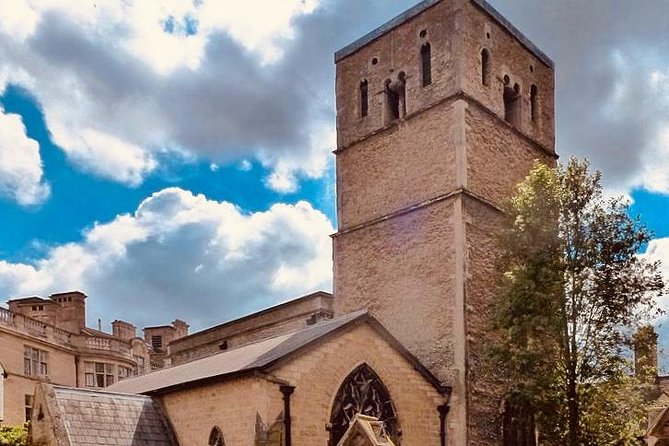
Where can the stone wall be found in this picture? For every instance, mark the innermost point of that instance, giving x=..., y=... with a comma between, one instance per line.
x=248, y=408
x=274, y=321
x=508, y=57
x=402, y=271
x=318, y=375
x=397, y=51
x=61, y=370
x=412, y=161
x=428, y=271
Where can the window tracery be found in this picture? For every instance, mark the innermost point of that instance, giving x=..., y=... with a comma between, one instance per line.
x=364, y=393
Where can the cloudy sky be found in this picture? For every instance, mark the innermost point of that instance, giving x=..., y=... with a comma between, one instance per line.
x=173, y=158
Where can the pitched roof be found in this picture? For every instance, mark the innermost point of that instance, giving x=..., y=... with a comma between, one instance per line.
x=257, y=356
x=94, y=418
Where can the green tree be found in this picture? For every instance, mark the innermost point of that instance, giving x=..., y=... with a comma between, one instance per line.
x=13, y=436
x=574, y=292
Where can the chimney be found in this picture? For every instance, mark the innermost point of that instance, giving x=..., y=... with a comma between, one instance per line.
x=645, y=353
x=124, y=330
x=181, y=328
x=72, y=311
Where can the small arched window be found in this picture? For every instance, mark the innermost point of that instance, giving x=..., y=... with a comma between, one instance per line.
x=216, y=437
x=363, y=392
x=364, y=98
x=534, y=98
x=426, y=63
x=485, y=67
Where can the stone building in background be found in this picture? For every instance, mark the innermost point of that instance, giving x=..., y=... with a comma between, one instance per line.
x=47, y=340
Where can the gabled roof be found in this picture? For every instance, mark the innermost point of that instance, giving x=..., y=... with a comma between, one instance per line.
x=91, y=418
x=259, y=356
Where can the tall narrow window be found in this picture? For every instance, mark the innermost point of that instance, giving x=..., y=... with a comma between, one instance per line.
x=28, y=407
x=485, y=67
x=364, y=98
x=512, y=104
x=534, y=96
x=216, y=437
x=363, y=392
x=426, y=64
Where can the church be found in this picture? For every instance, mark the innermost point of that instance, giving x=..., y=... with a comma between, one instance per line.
x=440, y=113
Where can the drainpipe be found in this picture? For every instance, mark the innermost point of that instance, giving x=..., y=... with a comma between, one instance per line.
x=443, y=412
x=287, y=391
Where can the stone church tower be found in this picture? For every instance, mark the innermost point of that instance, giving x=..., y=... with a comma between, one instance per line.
x=440, y=112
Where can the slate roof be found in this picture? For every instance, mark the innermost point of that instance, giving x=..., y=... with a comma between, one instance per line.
x=245, y=358
x=92, y=418
x=260, y=355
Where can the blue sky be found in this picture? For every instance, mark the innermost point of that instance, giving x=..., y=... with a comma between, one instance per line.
x=169, y=157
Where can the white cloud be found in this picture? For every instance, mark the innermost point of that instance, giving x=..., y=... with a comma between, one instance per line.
x=121, y=83
x=658, y=250
x=183, y=255
x=20, y=163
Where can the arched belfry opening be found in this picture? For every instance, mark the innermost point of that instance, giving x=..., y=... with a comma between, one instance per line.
x=511, y=102
x=534, y=99
x=364, y=98
x=395, y=98
x=426, y=64
x=363, y=393
x=216, y=437
x=485, y=67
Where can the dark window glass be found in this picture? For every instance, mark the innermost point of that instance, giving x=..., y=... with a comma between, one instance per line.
x=485, y=67
x=364, y=98
x=426, y=64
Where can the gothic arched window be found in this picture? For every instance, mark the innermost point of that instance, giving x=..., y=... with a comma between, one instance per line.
x=216, y=437
x=364, y=393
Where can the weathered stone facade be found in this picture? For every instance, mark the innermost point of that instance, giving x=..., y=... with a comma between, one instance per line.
x=422, y=185
x=46, y=340
x=243, y=394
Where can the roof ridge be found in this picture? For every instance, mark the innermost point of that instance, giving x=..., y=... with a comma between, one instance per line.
x=79, y=390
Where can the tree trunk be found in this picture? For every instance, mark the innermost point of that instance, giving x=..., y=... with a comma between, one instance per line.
x=572, y=401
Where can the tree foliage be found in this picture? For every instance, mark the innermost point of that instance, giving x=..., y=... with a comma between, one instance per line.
x=574, y=292
x=13, y=435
